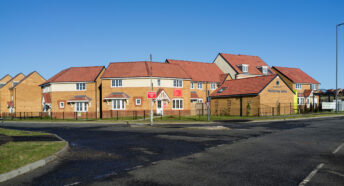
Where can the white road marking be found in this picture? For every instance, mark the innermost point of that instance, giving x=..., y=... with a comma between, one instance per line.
x=338, y=148
x=310, y=175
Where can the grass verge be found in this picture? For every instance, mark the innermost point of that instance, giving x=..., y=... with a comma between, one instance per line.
x=10, y=132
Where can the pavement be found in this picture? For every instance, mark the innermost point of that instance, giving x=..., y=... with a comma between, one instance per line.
x=308, y=152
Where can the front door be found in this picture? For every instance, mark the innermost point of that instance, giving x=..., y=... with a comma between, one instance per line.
x=159, y=108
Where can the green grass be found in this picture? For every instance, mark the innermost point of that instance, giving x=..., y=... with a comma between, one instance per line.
x=14, y=155
x=10, y=132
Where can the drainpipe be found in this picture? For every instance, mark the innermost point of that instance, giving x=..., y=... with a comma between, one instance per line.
x=241, y=106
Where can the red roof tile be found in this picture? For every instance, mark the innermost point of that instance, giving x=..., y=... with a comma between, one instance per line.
x=80, y=98
x=76, y=74
x=253, y=62
x=194, y=95
x=47, y=98
x=307, y=92
x=142, y=69
x=199, y=71
x=296, y=75
x=115, y=95
x=244, y=86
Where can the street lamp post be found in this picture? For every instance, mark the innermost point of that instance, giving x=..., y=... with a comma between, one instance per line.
x=337, y=65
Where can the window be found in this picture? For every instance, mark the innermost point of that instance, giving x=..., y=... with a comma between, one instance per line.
x=200, y=101
x=192, y=85
x=244, y=68
x=116, y=83
x=178, y=83
x=199, y=85
x=159, y=82
x=300, y=100
x=138, y=101
x=298, y=86
x=177, y=104
x=213, y=86
x=265, y=70
x=62, y=104
x=221, y=90
x=313, y=86
x=118, y=104
x=277, y=83
x=80, y=107
x=81, y=86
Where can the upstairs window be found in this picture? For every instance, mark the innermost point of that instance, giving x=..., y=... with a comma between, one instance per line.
x=159, y=82
x=213, y=86
x=265, y=70
x=178, y=83
x=244, y=68
x=221, y=90
x=298, y=86
x=81, y=86
x=192, y=85
x=199, y=85
x=116, y=83
x=313, y=86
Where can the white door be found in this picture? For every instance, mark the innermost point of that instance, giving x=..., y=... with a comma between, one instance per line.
x=159, y=107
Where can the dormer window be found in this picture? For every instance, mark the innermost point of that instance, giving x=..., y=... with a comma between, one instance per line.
x=221, y=90
x=244, y=68
x=265, y=70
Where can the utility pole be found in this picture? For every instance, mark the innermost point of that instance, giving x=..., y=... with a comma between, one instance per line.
x=208, y=105
x=337, y=65
x=151, y=82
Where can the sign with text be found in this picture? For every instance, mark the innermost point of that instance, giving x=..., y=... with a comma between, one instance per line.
x=151, y=95
x=328, y=105
x=177, y=92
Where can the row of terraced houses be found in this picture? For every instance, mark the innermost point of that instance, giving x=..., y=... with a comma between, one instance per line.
x=235, y=85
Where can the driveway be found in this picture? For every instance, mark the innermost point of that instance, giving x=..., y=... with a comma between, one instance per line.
x=266, y=153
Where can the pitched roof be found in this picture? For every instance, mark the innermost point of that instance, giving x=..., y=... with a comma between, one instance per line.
x=12, y=79
x=296, y=75
x=199, y=71
x=47, y=98
x=115, y=95
x=16, y=84
x=77, y=74
x=80, y=98
x=307, y=92
x=194, y=95
x=253, y=62
x=5, y=76
x=246, y=86
x=142, y=69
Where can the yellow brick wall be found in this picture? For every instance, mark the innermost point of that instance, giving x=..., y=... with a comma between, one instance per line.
x=5, y=79
x=27, y=95
x=141, y=92
x=231, y=106
x=5, y=94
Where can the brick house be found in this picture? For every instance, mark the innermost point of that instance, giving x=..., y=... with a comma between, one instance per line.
x=6, y=101
x=242, y=66
x=125, y=86
x=254, y=96
x=303, y=84
x=206, y=77
x=73, y=92
x=4, y=79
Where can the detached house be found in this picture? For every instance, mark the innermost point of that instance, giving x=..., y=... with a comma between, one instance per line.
x=242, y=66
x=25, y=96
x=206, y=77
x=303, y=84
x=73, y=92
x=125, y=86
x=6, y=100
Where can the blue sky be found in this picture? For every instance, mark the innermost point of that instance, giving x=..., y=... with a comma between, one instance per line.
x=48, y=36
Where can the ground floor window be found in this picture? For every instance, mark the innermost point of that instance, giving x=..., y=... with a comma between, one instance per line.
x=118, y=104
x=300, y=100
x=177, y=104
x=81, y=107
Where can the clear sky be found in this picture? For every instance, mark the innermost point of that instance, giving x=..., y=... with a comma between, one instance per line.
x=48, y=36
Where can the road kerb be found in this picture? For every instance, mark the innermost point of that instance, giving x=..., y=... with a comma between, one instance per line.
x=32, y=166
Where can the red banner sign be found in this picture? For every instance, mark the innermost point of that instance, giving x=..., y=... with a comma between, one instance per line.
x=151, y=95
x=177, y=92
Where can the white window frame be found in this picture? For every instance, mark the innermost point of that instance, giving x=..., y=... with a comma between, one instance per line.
x=116, y=83
x=176, y=104
x=158, y=82
x=121, y=104
x=199, y=85
x=81, y=107
x=192, y=85
x=199, y=100
x=62, y=104
x=313, y=86
x=244, y=68
x=138, y=99
x=80, y=86
x=298, y=86
x=265, y=70
x=178, y=83
x=300, y=101
x=213, y=86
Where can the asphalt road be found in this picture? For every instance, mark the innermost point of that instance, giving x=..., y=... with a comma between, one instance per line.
x=267, y=153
